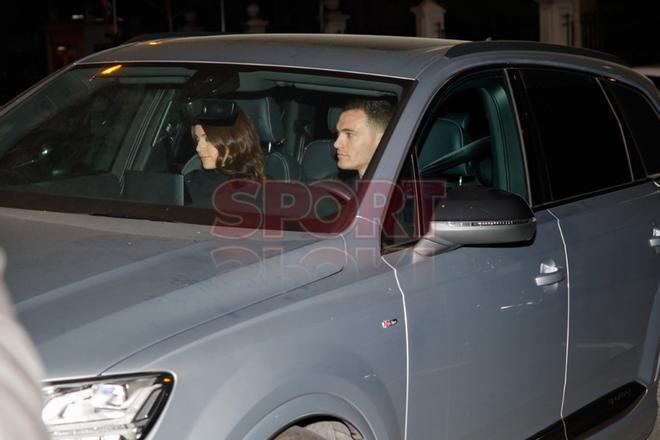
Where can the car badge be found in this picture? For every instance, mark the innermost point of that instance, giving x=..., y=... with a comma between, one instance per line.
x=389, y=323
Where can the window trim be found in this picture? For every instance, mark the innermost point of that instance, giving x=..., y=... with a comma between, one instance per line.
x=385, y=249
x=596, y=193
x=523, y=146
x=627, y=130
x=599, y=80
x=523, y=106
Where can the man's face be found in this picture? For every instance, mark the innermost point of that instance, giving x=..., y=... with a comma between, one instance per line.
x=356, y=141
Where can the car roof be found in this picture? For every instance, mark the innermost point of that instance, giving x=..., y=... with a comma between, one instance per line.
x=650, y=70
x=404, y=57
x=381, y=55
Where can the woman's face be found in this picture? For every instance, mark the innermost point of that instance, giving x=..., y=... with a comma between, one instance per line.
x=206, y=151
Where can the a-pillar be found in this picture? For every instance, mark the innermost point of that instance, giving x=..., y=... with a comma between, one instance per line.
x=430, y=19
x=560, y=22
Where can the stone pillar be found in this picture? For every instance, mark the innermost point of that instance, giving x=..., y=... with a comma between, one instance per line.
x=190, y=22
x=560, y=22
x=254, y=24
x=591, y=35
x=334, y=21
x=430, y=19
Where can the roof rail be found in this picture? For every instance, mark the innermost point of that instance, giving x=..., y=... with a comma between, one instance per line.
x=162, y=35
x=499, y=45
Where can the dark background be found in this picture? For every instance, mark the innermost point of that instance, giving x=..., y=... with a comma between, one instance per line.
x=629, y=29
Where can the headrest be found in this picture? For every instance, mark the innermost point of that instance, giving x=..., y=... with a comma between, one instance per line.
x=280, y=166
x=333, y=118
x=462, y=119
x=319, y=161
x=266, y=116
x=446, y=136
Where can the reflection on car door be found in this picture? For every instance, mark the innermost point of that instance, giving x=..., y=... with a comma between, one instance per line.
x=641, y=123
x=486, y=341
x=606, y=226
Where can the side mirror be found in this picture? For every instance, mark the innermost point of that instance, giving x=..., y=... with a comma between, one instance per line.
x=477, y=215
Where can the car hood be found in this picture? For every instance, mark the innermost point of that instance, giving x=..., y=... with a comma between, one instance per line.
x=92, y=290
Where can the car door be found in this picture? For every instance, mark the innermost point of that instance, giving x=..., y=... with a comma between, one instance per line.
x=486, y=325
x=640, y=118
x=608, y=219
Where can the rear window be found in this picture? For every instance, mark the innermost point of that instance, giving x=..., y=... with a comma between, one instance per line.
x=581, y=146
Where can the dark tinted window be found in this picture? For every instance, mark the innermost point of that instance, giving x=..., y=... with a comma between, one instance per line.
x=82, y=139
x=581, y=145
x=642, y=123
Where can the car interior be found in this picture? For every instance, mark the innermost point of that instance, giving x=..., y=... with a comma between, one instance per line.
x=471, y=138
x=126, y=134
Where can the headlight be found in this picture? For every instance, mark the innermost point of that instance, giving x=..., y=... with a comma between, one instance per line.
x=106, y=408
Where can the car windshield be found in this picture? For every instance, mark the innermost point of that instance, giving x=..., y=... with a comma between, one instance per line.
x=124, y=140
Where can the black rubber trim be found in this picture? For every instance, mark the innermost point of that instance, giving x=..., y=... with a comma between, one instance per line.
x=493, y=46
x=596, y=416
x=552, y=432
x=577, y=198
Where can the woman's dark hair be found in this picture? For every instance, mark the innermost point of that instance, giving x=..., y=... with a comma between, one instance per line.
x=242, y=142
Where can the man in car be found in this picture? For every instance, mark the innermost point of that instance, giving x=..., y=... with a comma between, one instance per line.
x=360, y=127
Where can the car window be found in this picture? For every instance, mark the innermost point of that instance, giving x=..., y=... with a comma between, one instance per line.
x=579, y=139
x=402, y=226
x=53, y=137
x=641, y=120
x=117, y=137
x=469, y=137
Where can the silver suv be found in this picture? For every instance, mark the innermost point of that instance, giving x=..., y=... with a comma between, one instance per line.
x=494, y=273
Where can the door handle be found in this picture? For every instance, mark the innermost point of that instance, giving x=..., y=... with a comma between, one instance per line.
x=549, y=274
x=655, y=240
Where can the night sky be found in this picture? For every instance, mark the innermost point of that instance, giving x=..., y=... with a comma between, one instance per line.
x=629, y=29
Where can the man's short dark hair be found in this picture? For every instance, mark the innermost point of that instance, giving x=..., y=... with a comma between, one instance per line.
x=378, y=111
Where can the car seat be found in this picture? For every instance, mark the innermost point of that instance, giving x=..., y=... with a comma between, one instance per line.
x=319, y=160
x=448, y=150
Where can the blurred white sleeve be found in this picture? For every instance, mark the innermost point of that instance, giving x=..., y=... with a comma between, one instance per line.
x=20, y=373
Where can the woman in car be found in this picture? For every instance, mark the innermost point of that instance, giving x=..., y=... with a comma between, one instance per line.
x=226, y=153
